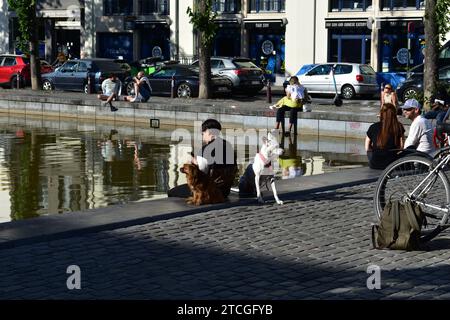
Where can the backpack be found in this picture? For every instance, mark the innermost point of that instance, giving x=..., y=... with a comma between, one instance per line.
x=399, y=227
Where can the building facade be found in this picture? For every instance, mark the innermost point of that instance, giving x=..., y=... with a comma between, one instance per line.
x=280, y=35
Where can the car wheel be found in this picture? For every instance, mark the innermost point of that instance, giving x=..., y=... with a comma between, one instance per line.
x=184, y=91
x=409, y=93
x=348, y=92
x=130, y=88
x=13, y=83
x=86, y=88
x=47, y=85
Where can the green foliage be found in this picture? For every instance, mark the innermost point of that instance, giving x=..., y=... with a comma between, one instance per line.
x=443, y=18
x=26, y=14
x=203, y=21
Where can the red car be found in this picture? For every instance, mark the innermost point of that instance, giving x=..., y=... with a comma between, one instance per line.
x=12, y=65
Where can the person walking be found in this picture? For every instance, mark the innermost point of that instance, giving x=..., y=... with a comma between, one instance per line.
x=420, y=135
x=385, y=139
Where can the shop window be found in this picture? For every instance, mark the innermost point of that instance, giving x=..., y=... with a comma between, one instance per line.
x=147, y=7
x=351, y=48
x=117, y=7
x=350, y=5
x=267, y=5
x=402, y=4
x=394, y=49
x=227, y=6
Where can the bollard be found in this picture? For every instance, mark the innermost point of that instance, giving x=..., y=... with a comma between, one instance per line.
x=89, y=85
x=268, y=92
x=18, y=81
x=172, y=88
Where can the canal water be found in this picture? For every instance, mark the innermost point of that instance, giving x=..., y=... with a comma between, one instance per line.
x=50, y=167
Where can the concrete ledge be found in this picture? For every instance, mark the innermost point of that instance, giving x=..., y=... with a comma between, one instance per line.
x=182, y=112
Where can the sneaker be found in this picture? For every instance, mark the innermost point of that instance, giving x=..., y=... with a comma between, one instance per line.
x=113, y=109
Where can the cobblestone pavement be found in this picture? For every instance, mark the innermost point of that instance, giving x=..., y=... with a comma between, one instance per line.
x=316, y=246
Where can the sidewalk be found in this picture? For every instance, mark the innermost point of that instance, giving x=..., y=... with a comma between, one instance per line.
x=315, y=246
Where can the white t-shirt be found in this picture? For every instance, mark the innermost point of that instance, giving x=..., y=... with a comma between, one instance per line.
x=421, y=135
x=296, y=91
x=109, y=87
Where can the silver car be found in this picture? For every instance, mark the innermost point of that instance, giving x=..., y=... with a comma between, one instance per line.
x=351, y=79
x=244, y=75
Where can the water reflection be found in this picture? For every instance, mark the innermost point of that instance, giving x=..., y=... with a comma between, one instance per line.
x=72, y=167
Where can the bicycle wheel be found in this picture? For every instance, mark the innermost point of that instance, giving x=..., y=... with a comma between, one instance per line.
x=402, y=177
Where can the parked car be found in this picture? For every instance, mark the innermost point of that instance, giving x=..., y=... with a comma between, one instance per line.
x=244, y=75
x=413, y=85
x=305, y=68
x=73, y=75
x=12, y=65
x=352, y=79
x=186, y=81
x=46, y=67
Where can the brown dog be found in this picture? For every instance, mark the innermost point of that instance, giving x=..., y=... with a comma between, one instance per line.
x=204, y=190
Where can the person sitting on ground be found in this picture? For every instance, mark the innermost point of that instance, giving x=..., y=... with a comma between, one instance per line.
x=388, y=96
x=420, y=135
x=111, y=88
x=217, y=159
x=439, y=108
x=385, y=138
x=142, y=89
x=290, y=103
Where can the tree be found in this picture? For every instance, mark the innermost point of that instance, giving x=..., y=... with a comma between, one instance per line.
x=436, y=24
x=202, y=18
x=28, y=37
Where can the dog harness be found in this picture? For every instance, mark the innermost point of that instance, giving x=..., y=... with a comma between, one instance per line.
x=267, y=163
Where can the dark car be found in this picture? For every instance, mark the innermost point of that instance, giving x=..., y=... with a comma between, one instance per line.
x=73, y=75
x=243, y=74
x=413, y=85
x=186, y=81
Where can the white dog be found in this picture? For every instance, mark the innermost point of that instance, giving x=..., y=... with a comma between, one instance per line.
x=260, y=171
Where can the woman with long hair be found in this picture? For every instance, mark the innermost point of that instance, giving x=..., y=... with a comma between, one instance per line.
x=385, y=139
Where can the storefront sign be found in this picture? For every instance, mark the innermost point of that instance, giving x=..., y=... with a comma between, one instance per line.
x=403, y=56
x=346, y=24
x=264, y=25
x=156, y=52
x=267, y=47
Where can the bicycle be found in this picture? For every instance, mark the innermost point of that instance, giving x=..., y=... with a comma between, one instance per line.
x=421, y=180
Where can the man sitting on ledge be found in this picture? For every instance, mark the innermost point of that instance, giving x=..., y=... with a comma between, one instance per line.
x=111, y=88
